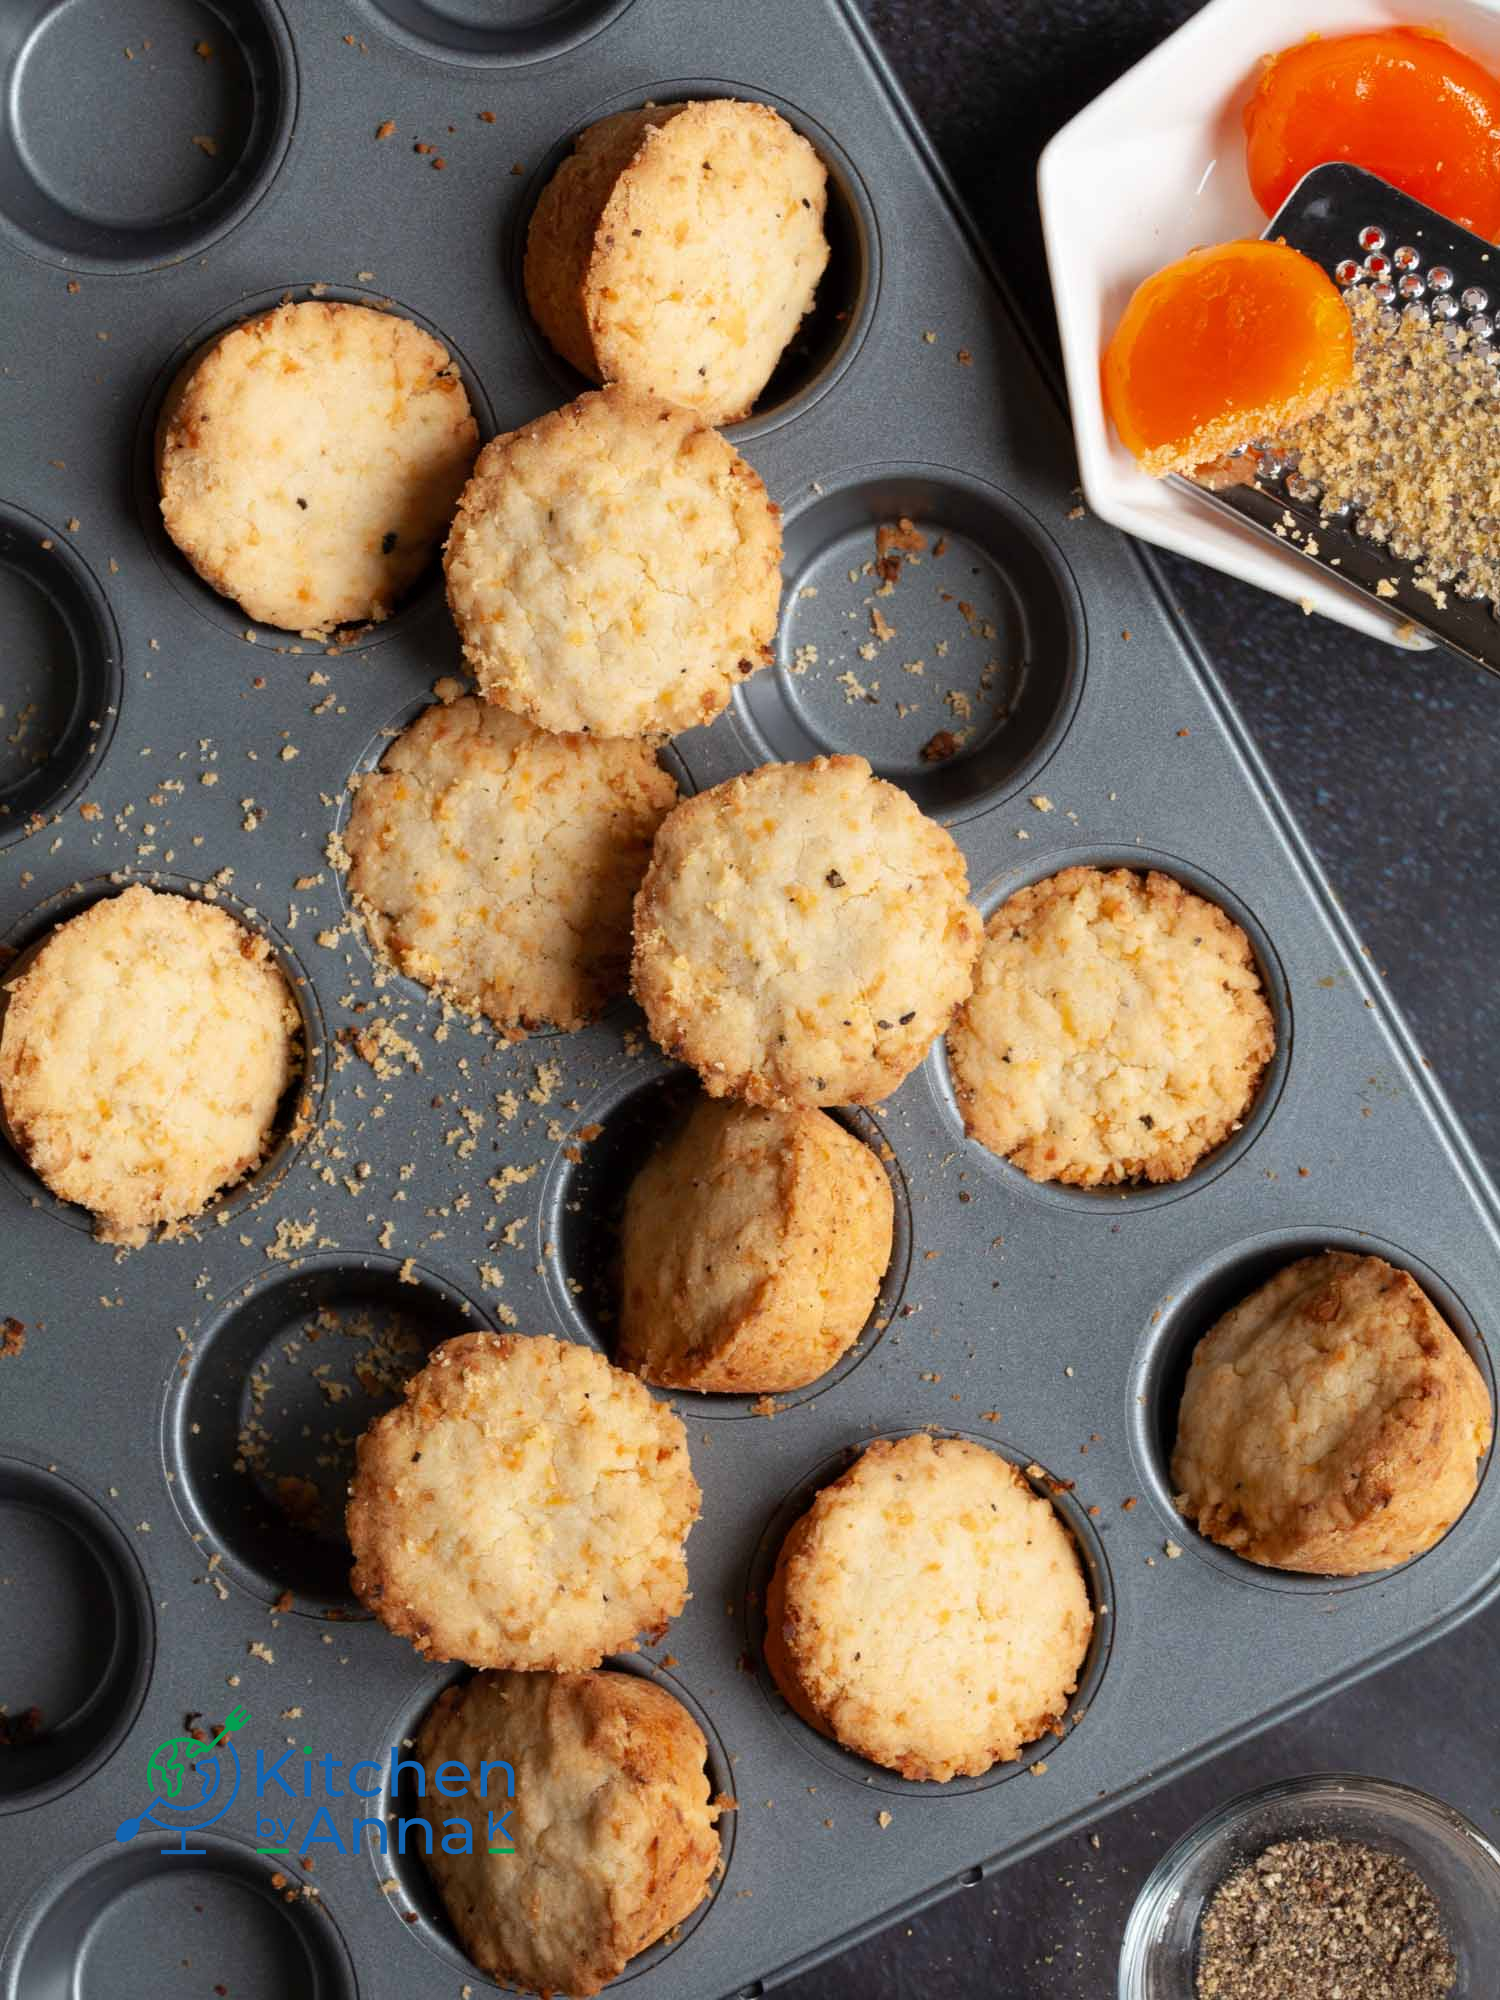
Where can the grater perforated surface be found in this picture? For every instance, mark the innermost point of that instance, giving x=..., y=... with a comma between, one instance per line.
x=1367, y=234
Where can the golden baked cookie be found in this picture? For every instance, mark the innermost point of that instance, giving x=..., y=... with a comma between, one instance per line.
x=526, y=1505
x=677, y=249
x=929, y=1611
x=1117, y=1030
x=1331, y=1422
x=753, y=1246
x=309, y=461
x=497, y=863
x=145, y=1049
x=802, y=934
x=614, y=567
x=611, y=1821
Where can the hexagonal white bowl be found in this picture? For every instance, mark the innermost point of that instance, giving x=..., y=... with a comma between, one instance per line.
x=1149, y=170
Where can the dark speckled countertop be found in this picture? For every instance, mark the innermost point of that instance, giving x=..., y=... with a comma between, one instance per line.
x=1390, y=760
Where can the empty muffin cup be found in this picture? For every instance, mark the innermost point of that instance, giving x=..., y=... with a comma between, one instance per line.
x=60, y=675
x=259, y=1427
x=929, y=623
x=481, y=33
x=77, y=1636
x=200, y=98
x=133, y=1919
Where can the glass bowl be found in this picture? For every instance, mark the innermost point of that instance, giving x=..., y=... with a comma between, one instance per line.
x=1458, y=1863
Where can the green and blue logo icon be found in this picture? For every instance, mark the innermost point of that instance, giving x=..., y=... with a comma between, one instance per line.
x=195, y=1783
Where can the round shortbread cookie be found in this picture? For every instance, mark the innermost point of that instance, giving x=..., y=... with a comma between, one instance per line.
x=526, y=1505
x=309, y=461
x=753, y=1246
x=678, y=248
x=614, y=567
x=1331, y=1422
x=497, y=863
x=802, y=934
x=145, y=1049
x=610, y=1818
x=1117, y=1030
x=929, y=1611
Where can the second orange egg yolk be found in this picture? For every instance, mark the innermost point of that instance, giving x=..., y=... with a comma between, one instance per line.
x=1402, y=103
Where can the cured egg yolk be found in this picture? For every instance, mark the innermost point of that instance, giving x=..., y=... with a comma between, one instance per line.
x=1228, y=344
x=1402, y=103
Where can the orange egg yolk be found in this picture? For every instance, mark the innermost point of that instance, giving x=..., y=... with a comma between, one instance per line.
x=1402, y=103
x=1228, y=344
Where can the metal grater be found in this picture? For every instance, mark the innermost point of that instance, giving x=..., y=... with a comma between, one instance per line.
x=1365, y=232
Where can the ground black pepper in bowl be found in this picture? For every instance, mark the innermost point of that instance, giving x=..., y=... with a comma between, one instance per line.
x=1324, y=1920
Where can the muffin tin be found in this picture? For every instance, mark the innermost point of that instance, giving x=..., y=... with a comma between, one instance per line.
x=151, y=1568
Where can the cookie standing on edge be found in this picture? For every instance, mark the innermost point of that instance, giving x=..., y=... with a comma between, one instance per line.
x=929, y=1611
x=525, y=1505
x=145, y=1049
x=753, y=1247
x=1331, y=1422
x=678, y=248
x=309, y=461
x=611, y=1821
x=614, y=567
x=1117, y=1030
x=497, y=863
x=802, y=934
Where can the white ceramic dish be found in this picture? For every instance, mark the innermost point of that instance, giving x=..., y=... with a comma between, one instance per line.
x=1149, y=170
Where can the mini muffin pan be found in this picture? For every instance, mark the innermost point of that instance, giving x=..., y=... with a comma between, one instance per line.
x=177, y=1423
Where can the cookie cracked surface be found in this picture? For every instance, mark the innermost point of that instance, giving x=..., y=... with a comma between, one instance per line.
x=929, y=1611
x=614, y=567
x=1332, y=1422
x=497, y=863
x=144, y=1053
x=526, y=1505
x=611, y=1821
x=678, y=248
x=752, y=1250
x=802, y=934
x=1117, y=1030
x=309, y=460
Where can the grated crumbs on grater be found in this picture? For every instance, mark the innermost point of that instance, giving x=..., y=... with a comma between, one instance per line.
x=1414, y=449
